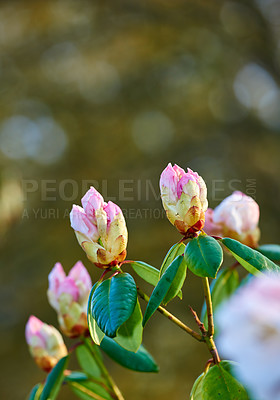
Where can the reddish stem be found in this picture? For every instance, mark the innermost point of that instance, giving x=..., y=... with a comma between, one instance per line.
x=198, y=322
x=74, y=346
x=235, y=265
x=103, y=274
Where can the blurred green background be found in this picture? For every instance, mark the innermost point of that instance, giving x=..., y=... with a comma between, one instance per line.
x=108, y=92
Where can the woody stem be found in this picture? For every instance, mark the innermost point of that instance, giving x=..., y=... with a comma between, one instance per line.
x=210, y=332
x=172, y=318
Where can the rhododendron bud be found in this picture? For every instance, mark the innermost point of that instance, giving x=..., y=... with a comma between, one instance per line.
x=45, y=343
x=100, y=229
x=68, y=295
x=184, y=198
x=249, y=333
x=236, y=217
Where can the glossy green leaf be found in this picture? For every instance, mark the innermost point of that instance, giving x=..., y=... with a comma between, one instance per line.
x=219, y=383
x=36, y=392
x=196, y=393
x=180, y=294
x=54, y=380
x=141, y=361
x=271, y=251
x=95, y=332
x=113, y=302
x=146, y=272
x=129, y=335
x=176, y=250
x=222, y=288
x=162, y=288
x=204, y=256
x=90, y=390
x=252, y=260
x=87, y=361
x=177, y=282
x=76, y=376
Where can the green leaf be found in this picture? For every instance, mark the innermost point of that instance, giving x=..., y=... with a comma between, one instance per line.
x=129, y=335
x=219, y=383
x=222, y=288
x=162, y=288
x=177, y=282
x=54, y=380
x=204, y=256
x=176, y=250
x=145, y=271
x=252, y=260
x=113, y=302
x=35, y=392
x=90, y=390
x=76, y=376
x=140, y=361
x=271, y=251
x=95, y=332
x=87, y=361
x=196, y=393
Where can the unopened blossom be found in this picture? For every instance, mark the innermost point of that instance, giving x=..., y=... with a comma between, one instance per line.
x=68, y=295
x=184, y=198
x=236, y=217
x=100, y=229
x=249, y=333
x=45, y=343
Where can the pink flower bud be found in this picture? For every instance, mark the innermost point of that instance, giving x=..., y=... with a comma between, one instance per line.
x=68, y=295
x=249, y=332
x=81, y=223
x=184, y=198
x=91, y=202
x=45, y=343
x=236, y=217
x=100, y=229
x=112, y=211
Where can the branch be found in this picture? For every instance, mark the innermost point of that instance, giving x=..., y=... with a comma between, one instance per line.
x=172, y=318
x=209, y=337
x=208, y=301
x=213, y=349
x=198, y=322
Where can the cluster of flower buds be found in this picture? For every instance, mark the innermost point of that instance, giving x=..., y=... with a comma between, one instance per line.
x=249, y=332
x=68, y=295
x=184, y=198
x=100, y=229
x=236, y=217
x=45, y=343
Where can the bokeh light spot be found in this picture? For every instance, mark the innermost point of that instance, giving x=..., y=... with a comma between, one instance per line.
x=152, y=131
x=42, y=140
